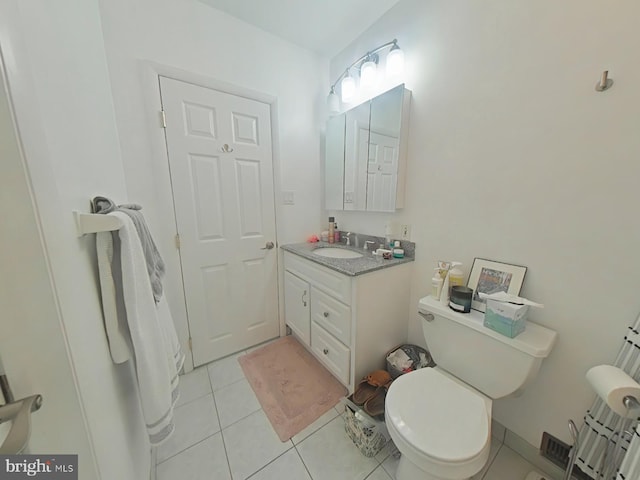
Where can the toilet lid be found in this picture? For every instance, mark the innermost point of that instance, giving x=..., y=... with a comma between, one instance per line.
x=438, y=416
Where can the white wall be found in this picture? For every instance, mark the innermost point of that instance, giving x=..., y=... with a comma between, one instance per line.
x=513, y=156
x=54, y=342
x=32, y=343
x=194, y=41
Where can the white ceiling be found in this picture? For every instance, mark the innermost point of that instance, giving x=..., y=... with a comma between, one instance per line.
x=323, y=26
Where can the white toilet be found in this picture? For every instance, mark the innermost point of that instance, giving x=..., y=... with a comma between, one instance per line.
x=440, y=418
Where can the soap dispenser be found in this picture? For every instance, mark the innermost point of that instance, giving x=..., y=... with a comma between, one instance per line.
x=436, y=284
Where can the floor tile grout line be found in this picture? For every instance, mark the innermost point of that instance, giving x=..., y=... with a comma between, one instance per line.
x=230, y=384
x=199, y=441
x=240, y=419
x=193, y=400
x=190, y=446
x=302, y=459
x=492, y=461
x=321, y=426
x=224, y=444
x=271, y=461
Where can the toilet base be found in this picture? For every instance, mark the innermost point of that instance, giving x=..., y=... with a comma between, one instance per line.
x=407, y=470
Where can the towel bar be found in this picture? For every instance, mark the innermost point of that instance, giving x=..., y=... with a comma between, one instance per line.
x=95, y=222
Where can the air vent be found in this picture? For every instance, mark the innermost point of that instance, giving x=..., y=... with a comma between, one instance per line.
x=555, y=450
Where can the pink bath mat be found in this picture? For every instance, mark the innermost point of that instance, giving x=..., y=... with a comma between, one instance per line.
x=293, y=388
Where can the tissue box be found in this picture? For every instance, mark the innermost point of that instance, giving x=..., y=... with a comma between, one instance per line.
x=506, y=318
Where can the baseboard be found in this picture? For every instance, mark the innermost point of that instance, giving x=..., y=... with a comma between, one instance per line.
x=530, y=453
x=498, y=431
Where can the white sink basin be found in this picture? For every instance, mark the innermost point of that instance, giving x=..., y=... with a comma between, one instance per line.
x=336, y=253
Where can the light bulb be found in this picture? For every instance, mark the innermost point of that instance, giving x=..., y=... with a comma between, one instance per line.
x=395, y=61
x=348, y=88
x=368, y=74
x=333, y=102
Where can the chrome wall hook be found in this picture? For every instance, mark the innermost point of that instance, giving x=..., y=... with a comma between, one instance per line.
x=605, y=82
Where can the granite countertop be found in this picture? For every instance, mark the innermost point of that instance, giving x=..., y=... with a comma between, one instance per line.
x=349, y=266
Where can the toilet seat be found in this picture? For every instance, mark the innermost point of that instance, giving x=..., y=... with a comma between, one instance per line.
x=440, y=421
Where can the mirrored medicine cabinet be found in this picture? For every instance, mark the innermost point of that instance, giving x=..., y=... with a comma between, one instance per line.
x=366, y=149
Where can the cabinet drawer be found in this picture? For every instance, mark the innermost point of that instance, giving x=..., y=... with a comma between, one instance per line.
x=329, y=281
x=330, y=314
x=333, y=354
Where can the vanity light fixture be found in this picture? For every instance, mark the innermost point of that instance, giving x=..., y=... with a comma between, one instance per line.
x=395, y=61
x=369, y=72
x=348, y=87
x=333, y=101
x=367, y=65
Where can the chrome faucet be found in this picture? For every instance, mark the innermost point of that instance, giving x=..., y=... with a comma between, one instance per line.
x=366, y=244
x=347, y=241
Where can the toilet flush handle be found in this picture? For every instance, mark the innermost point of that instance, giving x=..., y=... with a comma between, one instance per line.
x=427, y=316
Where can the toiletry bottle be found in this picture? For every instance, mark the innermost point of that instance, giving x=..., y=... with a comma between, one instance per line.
x=387, y=237
x=336, y=233
x=397, y=251
x=444, y=296
x=436, y=284
x=456, y=277
x=332, y=237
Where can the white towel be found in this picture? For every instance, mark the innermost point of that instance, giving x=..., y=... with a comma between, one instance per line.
x=115, y=317
x=156, y=349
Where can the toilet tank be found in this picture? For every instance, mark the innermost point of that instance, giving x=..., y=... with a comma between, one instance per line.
x=495, y=365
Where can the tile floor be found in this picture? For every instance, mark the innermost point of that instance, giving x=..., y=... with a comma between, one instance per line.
x=223, y=434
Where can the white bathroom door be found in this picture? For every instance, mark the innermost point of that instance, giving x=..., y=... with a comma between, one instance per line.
x=382, y=172
x=220, y=162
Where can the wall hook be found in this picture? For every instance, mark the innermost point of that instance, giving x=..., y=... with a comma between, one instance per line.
x=226, y=149
x=604, y=83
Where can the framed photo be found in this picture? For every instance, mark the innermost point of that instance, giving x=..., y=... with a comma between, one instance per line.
x=488, y=277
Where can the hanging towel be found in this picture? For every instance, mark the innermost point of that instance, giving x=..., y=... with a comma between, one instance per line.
x=601, y=427
x=155, y=264
x=113, y=309
x=156, y=349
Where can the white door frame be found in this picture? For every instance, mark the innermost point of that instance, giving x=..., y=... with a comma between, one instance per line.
x=150, y=71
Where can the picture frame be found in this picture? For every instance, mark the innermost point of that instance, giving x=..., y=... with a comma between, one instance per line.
x=488, y=276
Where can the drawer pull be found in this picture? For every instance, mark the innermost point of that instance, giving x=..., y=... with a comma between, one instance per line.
x=304, y=302
x=326, y=314
x=325, y=351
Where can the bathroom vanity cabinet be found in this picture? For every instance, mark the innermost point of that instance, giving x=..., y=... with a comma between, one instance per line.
x=347, y=322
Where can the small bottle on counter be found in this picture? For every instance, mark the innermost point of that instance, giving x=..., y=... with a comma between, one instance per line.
x=336, y=233
x=436, y=284
x=332, y=237
x=456, y=277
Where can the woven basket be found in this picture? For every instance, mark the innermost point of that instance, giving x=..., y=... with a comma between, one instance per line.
x=369, y=440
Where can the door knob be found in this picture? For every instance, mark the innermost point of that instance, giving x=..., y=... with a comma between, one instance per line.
x=325, y=351
x=326, y=314
x=268, y=246
x=226, y=149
